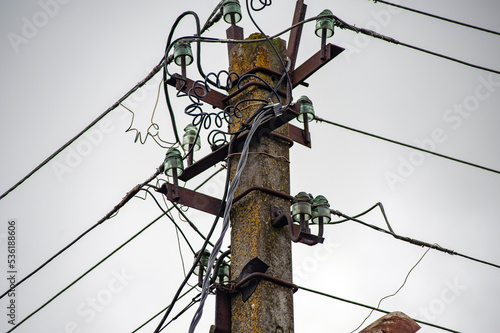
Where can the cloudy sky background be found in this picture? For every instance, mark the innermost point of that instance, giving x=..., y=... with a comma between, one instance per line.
x=86, y=54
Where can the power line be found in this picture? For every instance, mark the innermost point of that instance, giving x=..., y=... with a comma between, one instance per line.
x=187, y=307
x=96, y=265
x=372, y=308
x=172, y=220
x=413, y=241
x=160, y=312
x=264, y=114
x=87, y=272
x=407, y=145
x=214, y=17
x=157, y=68
x=110, y=214
x=148, y=77
x=197, y=259
x=438, y=17
x=449, y=58
x=343, y=25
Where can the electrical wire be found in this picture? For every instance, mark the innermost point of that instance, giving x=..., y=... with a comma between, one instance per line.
x=161, y=311
x=343, y=25
x=156, y=137
x=158, y=67
x=180, y=251
x=393, y=294
x=197, y=259
x=111, y=213
x=437, y=17
x=171, y=219
x=191, y=224
x=264, y=4
x=373, y=308
x=382, y=210
x=264, y=115
x=413, y=241
x=407, y=145
x=187, y=307
x=87, y=272
x=148, y=77
x=102, y=260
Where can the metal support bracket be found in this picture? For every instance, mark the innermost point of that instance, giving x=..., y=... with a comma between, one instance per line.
x=191, y=198
x=298, y=232
x=222, y=311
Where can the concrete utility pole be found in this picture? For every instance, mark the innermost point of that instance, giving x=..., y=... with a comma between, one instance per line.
x=270, y=308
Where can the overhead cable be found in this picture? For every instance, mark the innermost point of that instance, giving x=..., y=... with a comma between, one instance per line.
x=105, y=258
x=87, y=272
x=438, y=17
x=197, y=259
x=343, y=25
x=148, y=77
x=213, y=18
x=413, y=241
x=373, y=308
x=264, y=115
x=162, y=310
x=110, y=214
x=407, y=145
x=187, y=307
x=172, y=220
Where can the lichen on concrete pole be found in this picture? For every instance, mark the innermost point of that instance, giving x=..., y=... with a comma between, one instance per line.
x=270, y=308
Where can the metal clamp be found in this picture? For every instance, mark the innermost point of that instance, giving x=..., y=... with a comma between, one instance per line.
x=298, y=232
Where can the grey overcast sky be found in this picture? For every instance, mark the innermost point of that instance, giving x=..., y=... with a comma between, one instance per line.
x=64, y=62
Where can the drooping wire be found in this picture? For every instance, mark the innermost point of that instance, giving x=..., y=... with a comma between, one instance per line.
x=156, y=137
x=382, y=210
x=165, y=85
x=158, y=67
x=373, y=308
x=393, y=294
x=180, y=251
x=407, y=145
x=171, y=43
x=413, y=241
x=111, y=213
x=438, y=17
x=148, y=77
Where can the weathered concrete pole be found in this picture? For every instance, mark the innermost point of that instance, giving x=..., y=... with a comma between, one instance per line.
x=270, y=308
